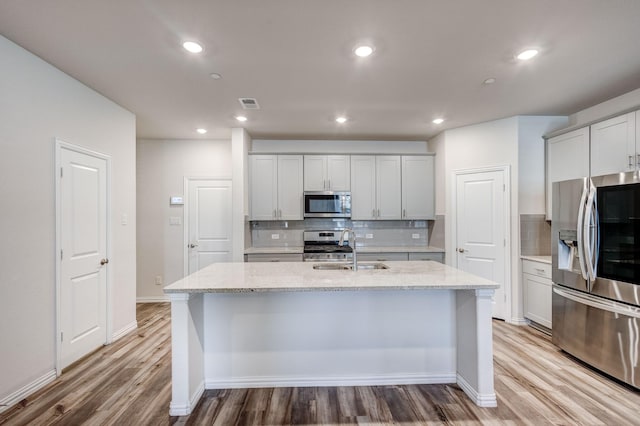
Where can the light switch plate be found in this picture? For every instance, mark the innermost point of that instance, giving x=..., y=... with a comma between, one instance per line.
x=368, y=236
x=275, y=236
x=415, y=236
x=175, y=220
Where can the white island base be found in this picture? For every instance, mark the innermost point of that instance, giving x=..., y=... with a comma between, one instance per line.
x=250, y=325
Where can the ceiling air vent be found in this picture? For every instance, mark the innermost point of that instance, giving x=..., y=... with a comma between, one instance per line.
x=249, y=103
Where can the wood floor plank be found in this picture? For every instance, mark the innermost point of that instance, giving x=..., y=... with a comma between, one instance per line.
x=129, y=382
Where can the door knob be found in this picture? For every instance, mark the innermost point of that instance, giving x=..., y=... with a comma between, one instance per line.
x=193, y=245
x=104, y=262
x=461, y=250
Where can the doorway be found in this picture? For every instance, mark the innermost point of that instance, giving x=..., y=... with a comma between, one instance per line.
x=481, y=229
x=208, y=227
x=82, y=247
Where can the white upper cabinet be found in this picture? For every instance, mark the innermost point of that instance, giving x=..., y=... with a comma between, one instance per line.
x=567, y=158
x=327, y=173
x=418, y=187
x=613, y=145
x=276, y=187
x=375, y=187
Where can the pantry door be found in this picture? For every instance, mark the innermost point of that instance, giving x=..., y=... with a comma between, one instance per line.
x=208, y=231
x=481, y=229
x=82, y=178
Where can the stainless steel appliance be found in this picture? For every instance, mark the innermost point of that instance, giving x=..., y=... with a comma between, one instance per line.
x=596, y=272
x=327, y=204
x=324, y=246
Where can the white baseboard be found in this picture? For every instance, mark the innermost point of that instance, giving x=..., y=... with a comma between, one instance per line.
x=25, y=391
x=518, y=321
x=124, y=331
x=152, y=299
x=268, y=382
x=481, y=400
x=185, y=409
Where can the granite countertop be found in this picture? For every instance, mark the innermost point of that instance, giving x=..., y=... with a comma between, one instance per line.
x=375, y=249
x=541, y=259
x=240, y=277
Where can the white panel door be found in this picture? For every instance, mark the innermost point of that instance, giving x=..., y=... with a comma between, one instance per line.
x=480, y=229
x=613, y=145
x=363, y=187
x=388, y=187
x=418, y=187
x=338, y=173
x=209, y=223
x=290, y=188
x=315, y=172
x=83, y=265
x=264, y=186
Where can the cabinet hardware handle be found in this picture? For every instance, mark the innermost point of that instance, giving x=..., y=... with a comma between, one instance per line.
x=275, y=213
x=378, y=213
x=329, y=184
x=540, y=270
x=631, y=161
x=404, y=212
x=638, y=160
x=373, y=213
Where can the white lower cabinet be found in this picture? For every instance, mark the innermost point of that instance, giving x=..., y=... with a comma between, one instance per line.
x=266, y=257
x=536, y=280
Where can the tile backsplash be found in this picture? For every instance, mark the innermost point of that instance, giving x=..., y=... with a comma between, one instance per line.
x=535, y=235
x=379, y=233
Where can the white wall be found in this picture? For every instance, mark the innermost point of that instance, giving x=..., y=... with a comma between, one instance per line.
x=162, y=166
x=337, y=147
x=531, y=176
x=37, y=104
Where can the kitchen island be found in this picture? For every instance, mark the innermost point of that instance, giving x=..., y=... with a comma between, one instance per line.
x=287, y=324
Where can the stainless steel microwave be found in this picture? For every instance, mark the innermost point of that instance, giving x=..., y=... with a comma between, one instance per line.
x=327, y=204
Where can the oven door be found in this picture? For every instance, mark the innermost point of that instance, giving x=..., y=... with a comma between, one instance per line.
x=617, y=209
x=327, y=204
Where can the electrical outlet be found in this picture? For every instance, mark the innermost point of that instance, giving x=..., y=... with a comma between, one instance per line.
x=275, y=236
x=158, y=279
x=415, y=236
x=368, y=236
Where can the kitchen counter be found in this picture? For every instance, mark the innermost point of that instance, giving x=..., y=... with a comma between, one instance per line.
x=286, y=324
x=541, y=259
x=374, y=249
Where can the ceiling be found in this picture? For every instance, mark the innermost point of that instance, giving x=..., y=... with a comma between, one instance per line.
x=296, y=58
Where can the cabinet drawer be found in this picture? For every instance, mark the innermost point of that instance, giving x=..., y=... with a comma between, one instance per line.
x=536, y=268
x=437, y=257
x=263, y=257
x=381, y=257
x=537, y=299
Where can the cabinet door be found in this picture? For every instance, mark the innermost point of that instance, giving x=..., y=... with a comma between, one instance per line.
x=264, y=186
x=338, y=173
x=567, y=158
x=363, y=187
x=418, y=189
x=537, y=299
x=388, y=187
x=613, y=145
x=290, y=187
x=315, y=172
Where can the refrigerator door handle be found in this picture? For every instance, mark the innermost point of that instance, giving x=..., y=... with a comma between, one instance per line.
x=588, y=229
x=581, y=246
x=597, y=302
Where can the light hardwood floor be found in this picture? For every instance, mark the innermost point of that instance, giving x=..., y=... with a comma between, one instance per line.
x=129, y=383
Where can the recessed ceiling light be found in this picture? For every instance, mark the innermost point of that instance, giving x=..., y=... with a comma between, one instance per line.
x=363, y=51
x=341, y=120
x=201, y=131
x=490, y=80
x=215, y=76
x=241, y=118
x=527, y=54
x=192, y=46
x=438, y=121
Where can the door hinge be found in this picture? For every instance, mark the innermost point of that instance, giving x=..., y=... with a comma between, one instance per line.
x=61, y=171
x=504, y=187
x=62, y=336
x=61, y=254
x=504, y=242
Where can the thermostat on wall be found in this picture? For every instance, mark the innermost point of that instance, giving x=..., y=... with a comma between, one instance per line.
x=176, y=201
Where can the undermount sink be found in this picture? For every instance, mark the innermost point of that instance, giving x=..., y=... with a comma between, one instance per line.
x=347, y=266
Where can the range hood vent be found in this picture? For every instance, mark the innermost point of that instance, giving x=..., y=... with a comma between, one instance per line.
x=249, y=103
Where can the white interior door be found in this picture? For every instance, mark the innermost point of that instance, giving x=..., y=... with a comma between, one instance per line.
x=82, y=207
x=481, y=228
x=209, y=231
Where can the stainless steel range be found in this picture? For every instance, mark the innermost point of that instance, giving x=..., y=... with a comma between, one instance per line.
x=324, y=246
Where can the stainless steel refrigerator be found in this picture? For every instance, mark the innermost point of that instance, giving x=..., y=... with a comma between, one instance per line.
x=596, y=272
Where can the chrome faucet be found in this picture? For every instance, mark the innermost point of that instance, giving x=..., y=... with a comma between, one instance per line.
x=352, y=243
